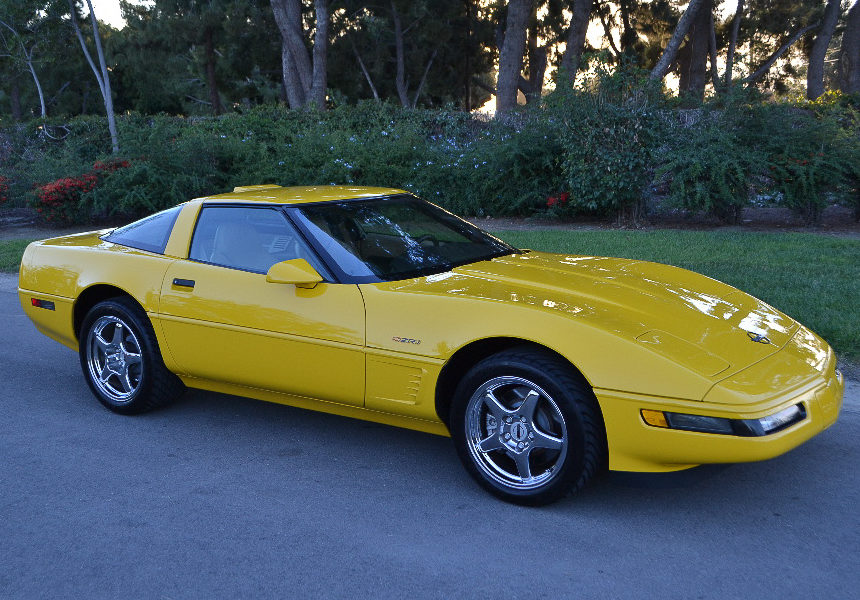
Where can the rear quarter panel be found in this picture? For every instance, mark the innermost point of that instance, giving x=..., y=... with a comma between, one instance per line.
x=60, y=269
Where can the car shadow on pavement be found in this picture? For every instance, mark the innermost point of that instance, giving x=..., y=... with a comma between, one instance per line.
x=663, y=481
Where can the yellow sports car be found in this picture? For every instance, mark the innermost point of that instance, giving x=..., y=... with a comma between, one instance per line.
x=372, y=303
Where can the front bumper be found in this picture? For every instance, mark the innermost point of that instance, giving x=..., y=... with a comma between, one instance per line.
x=636, y=446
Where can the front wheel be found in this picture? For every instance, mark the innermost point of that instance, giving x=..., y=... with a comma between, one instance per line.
x=527, y=428
x=121, y=360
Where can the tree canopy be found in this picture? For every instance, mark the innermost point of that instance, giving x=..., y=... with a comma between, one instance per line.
x=213, y=56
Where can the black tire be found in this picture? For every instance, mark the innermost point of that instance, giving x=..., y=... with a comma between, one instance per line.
x=125, y=373
x=524, y=409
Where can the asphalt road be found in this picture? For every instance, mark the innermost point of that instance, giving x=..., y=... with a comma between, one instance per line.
x=224, y=497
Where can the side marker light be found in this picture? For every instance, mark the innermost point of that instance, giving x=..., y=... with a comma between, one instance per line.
x=46, y=304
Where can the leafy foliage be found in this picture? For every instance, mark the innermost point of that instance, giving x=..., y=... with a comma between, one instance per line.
x=61, y=202
x=600, y=150
x=707, y=166
x=610, y=130
x=812, y=158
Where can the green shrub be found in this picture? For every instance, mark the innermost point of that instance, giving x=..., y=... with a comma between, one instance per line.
x=811, y=159
x=609, y=131
x=595, y=149
x=706, y=165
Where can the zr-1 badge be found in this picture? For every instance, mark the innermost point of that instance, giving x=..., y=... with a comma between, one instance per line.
x=404, y=340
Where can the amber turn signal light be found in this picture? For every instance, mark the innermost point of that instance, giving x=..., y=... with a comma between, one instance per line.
x=654, y=417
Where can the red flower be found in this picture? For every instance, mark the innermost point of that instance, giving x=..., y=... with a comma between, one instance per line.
x=551, y=201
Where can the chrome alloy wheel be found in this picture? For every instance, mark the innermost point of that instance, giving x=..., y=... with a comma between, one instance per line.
x=113, y=358
x=515, y=433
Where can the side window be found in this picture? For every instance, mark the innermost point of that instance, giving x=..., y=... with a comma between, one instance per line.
x=150, y=233
x=250, y=239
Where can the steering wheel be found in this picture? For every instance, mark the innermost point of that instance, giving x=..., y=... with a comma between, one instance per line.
x=427, y=237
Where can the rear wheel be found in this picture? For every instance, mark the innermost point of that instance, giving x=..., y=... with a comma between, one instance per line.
x=121, y=360
x=527, y=427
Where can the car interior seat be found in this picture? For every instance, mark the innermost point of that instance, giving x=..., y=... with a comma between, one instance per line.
x=239, y=245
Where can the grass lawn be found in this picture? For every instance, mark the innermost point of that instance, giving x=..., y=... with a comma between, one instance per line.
x=812, y=278
x=10, y=254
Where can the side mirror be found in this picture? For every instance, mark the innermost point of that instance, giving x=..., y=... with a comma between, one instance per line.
x=296, y=271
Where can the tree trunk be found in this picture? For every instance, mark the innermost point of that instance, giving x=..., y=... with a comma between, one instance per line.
x=537, y=70
x=295, y=39
x=424, y=78
x=581, y=15
x=467, y=75
x=815, y=71
x=766, y=65
x=101, y=72
x=511, y=54
x=662, y=67
x=108, y=96
x=712, y=52
x=320, y=55
x=364, y=71
x=849, y=53
x=607, y=32
x=533, y=87
x=292, y=84
x=400, y=81
x=304, y=76
x=214, y=97
x=15, y=99
x=29, y=56
x=400, y=76
x=628, y=34
x=694, y=75
x=682, y=59
x=733, y=43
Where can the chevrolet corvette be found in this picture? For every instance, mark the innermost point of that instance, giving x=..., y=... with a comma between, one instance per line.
x=369, y=302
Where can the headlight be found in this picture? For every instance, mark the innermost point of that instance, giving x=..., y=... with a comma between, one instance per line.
x=700, y=423
x=741, y=427
x=775, y=422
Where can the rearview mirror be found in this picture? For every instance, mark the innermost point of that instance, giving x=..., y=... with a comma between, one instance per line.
x=296, y=271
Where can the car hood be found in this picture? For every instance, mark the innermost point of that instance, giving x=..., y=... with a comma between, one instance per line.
x=698, y=322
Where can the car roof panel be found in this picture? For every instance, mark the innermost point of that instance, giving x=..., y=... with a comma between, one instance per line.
x=274, y=194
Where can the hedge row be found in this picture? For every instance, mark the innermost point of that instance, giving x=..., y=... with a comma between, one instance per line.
x=610, y=149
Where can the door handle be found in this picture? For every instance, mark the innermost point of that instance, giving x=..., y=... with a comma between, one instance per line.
x=189, y=283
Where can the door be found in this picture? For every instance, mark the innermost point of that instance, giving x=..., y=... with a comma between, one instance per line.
x=224, y=322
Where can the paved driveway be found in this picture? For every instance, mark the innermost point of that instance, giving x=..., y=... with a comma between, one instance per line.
x=223, y=497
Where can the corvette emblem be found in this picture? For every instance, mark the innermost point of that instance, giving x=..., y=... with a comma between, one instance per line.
x=757, y=337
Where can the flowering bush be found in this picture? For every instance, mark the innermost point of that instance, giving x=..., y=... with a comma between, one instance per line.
x=4, y=189
x=105, y=168
x=559, y=201
x=615, y=149
x=59, y=202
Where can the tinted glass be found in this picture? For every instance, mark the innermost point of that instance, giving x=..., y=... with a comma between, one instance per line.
x=150, y=233
x=395, y=238
x=251, y=239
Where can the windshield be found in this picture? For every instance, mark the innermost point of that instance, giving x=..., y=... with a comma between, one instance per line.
x=394, y=238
